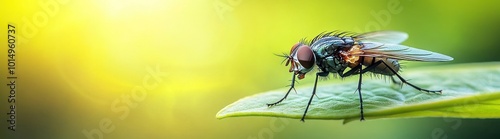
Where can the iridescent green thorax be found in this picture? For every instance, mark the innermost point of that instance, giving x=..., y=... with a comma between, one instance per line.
x=326, y=48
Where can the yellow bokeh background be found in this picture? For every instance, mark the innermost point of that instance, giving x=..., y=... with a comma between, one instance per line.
x=75, y=59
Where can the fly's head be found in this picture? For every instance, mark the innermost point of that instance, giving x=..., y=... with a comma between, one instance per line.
x=301, y=58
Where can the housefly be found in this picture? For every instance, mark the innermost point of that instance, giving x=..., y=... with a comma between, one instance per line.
x=376, y=52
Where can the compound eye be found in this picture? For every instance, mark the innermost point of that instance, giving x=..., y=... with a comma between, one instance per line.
x=294, y=47
x=306, y=57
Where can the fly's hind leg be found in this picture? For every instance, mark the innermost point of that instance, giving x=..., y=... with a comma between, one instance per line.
x=371, y=67
x=399, y=77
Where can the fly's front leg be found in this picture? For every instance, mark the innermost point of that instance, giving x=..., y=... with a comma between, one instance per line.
x=313, y=93
x=292, y=86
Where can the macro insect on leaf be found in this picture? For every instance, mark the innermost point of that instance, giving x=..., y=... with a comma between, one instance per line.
x=374, y=52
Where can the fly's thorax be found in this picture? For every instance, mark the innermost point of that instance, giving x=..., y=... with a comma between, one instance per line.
x=326, y=49
x=328, y=56
x=334, y=64
x=348, y=40
x=329, y=45
x=327, y=60
x=382, y=68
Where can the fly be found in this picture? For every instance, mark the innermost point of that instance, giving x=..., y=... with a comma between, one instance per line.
x=375, y=52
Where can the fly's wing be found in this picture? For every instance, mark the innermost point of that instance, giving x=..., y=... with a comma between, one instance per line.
x=400, y=52
x=392, y=37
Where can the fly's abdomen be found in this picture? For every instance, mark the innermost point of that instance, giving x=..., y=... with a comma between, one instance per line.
x=382, y=68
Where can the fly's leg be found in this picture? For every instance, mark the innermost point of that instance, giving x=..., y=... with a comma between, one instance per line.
x=313, y=93
x=371, y=67
x=360, y=70
x=399, y=77
x=359, y=91
x=292, y=85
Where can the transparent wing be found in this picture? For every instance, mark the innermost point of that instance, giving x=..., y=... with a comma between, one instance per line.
x=393, y=37
x=400, y=52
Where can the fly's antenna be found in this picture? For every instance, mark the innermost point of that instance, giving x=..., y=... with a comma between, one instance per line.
x=284, y=55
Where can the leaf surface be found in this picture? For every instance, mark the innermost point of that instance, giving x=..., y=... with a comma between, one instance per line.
x=469, y=91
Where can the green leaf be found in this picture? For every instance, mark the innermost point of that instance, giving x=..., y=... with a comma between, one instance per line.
x=469, y=91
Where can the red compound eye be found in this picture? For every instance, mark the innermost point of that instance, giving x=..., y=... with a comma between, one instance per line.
x=305, y=56
x=294, y=47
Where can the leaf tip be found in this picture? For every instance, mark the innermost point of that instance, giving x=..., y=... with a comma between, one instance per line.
x=221, y=114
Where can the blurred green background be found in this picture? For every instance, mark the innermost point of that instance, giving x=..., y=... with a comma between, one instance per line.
x=80, y=63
